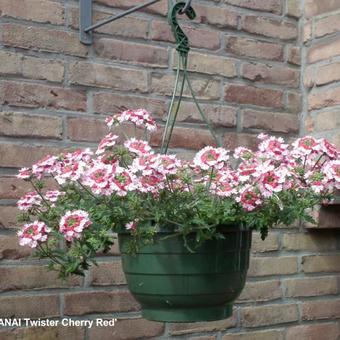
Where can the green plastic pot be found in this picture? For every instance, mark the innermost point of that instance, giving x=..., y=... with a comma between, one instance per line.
x=173, y=284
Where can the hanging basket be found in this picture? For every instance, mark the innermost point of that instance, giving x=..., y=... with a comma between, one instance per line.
x=174, y=284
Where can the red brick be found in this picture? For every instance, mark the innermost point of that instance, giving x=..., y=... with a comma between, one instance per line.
x=271, y=243
x=324, y=50
x=241, y=46
x=158, y=8
x=17, y=156
x=41, y=96
x=310, y=242
x=294, y=8
x=323, y=75
x=24, y=125
x=35, y=306
x=200, y=327
x=321, y=309
x=217, y=115
x=204, y=88
x=277, y=334
x=43, y=11
x=11, y=250
x=43, y=333
x=264, y=266
x=261, y=291
x=294, y=55
x=100, y=75
x=42, y=39
x=294, y=102
x=327, y=25
x=92, y=130
x=107, y=103
x=273, y=6
x=325, y=331
x=270, y=27
x=269, y=315
x=307, y=31
x=244, y=94
x=324, y=99
x=269, y=121
x=32, y=278
x=315, y=7
x=127, y=329
x=16, y=64
x=312, y=286
x=131, y=52
x=327, y=121
x=321, y=263
x=269, y=74
x=107, y=274
x=232, y=140
x=8, y=216
x=198, y=37
x=99, y=302
x=128, y=27
x=12, y=188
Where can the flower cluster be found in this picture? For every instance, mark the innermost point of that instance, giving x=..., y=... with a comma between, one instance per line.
x=128, y=185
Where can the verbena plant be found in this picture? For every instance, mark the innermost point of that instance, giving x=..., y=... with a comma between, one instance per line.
x=130, y=188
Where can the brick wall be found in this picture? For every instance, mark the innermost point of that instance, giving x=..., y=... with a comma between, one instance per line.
x=246, y=68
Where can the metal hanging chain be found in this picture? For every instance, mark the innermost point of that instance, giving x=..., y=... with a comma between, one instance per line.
x=183, y=48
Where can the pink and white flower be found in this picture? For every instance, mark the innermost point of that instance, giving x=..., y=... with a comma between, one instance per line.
x=249, y=198
x=24, y=173
x=73, y=223
x=33, y=233
x=211, y=158
x=53, y=195
x=107, y=142
x=139, y=147
x=29, y=201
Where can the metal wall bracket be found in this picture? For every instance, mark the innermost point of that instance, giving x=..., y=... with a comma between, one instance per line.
x=86, y=27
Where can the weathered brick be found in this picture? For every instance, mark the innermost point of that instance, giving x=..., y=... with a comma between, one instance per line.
x=264, y=266
x=36, y=306
x=107, y=274
x=307, y=30
x=23, y=125
x=254, y=48
x=131, y=52
x=196, y=327
x=216, y=114
x=294, y=55
x=321, y=263
x=31, y=67
x=100, y=75
x=43, y=11
x=43, y=96
x=271, y=243
x=11, y=250
x=204, y=88
x=32, y=277
x=294, y=102
x=328, y=120
x=16, y=156
x=322, y=309
x=270, y=27
x=261, y=291
x=313, y=286
x=127, y=27
x=325, y=331
x=269, y=74
x=188, y=138
x=310, y=242
x=8, y=216
x=324, y=50
x=269, y=315
x=107, y=103
x=209, y=64
x=323, y=74
x=92, y=130
x=12, y=187
x=277, y=334
x=42, y=333
x=244, y=94
x=327, y=25
x=324, y=99
x=232, y=140
x=42, y=39
x=273, y=6
x=198, y=37
x=158, y=8
x=270, y=121
x=294, y=8
x=99, y=302
x=216, y=16
x=127, y=329
x=315, y=7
